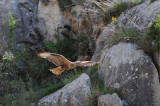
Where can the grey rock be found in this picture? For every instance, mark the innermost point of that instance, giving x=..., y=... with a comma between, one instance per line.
x=139, y=18
x=73, y=94
x=77, y=2
x=88, y=23
x=132, y=73
x=109, y=100
x=26, y=11
x=125, y=103
x=102, y=41
x=50, y=16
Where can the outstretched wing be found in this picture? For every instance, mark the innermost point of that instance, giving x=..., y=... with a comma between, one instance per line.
x=86, y=63
x=57, y=59
x=57, y=70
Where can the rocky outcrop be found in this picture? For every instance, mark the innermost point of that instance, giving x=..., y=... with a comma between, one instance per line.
x=139, y=18
x=51, y=17
x=87, y=22
x=109, y=100
x=27, y=29
x=128, y=70
x=73, y=94
x=102, y=42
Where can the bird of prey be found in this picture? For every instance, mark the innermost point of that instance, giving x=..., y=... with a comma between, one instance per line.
x=63, y=63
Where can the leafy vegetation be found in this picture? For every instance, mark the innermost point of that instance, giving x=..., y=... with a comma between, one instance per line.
x=152, y=1
x=45, y=91
x=153, y=35
x=122, y=34
x=154, y=31
x=9, y=80
x=132, y=36
x=65, y=46
x=98, y=87
x=12, y=25
x=20, y=88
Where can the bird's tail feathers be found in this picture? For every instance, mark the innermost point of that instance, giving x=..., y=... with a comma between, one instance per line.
x=86, y=63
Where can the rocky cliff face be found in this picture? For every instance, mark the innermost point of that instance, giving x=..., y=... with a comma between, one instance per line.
x=27, y=30
x=123, y=67
x=51, y=18
x=139, y=18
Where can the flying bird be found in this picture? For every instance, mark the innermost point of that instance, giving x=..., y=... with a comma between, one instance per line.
x=63, y=63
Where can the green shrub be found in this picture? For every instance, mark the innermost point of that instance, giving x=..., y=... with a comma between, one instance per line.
x=12, y=25
x=132, y=36
x=65, y=4
x=152, y=1
x=67, y=47
x=97, y=90
x=72, y=75
x=98, y=87
x=123, y=35
x=46, y=91
x=154, y=31
x=37, y=68
x=25, y=96
x=10, y=82
x=12, y=88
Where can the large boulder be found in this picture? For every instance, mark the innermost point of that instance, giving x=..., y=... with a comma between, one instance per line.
x=139, y=18
x=73, y=94
x=109, y=100
x=127, y=69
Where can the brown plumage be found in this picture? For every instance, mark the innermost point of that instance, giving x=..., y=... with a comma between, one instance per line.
x=63, y=63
